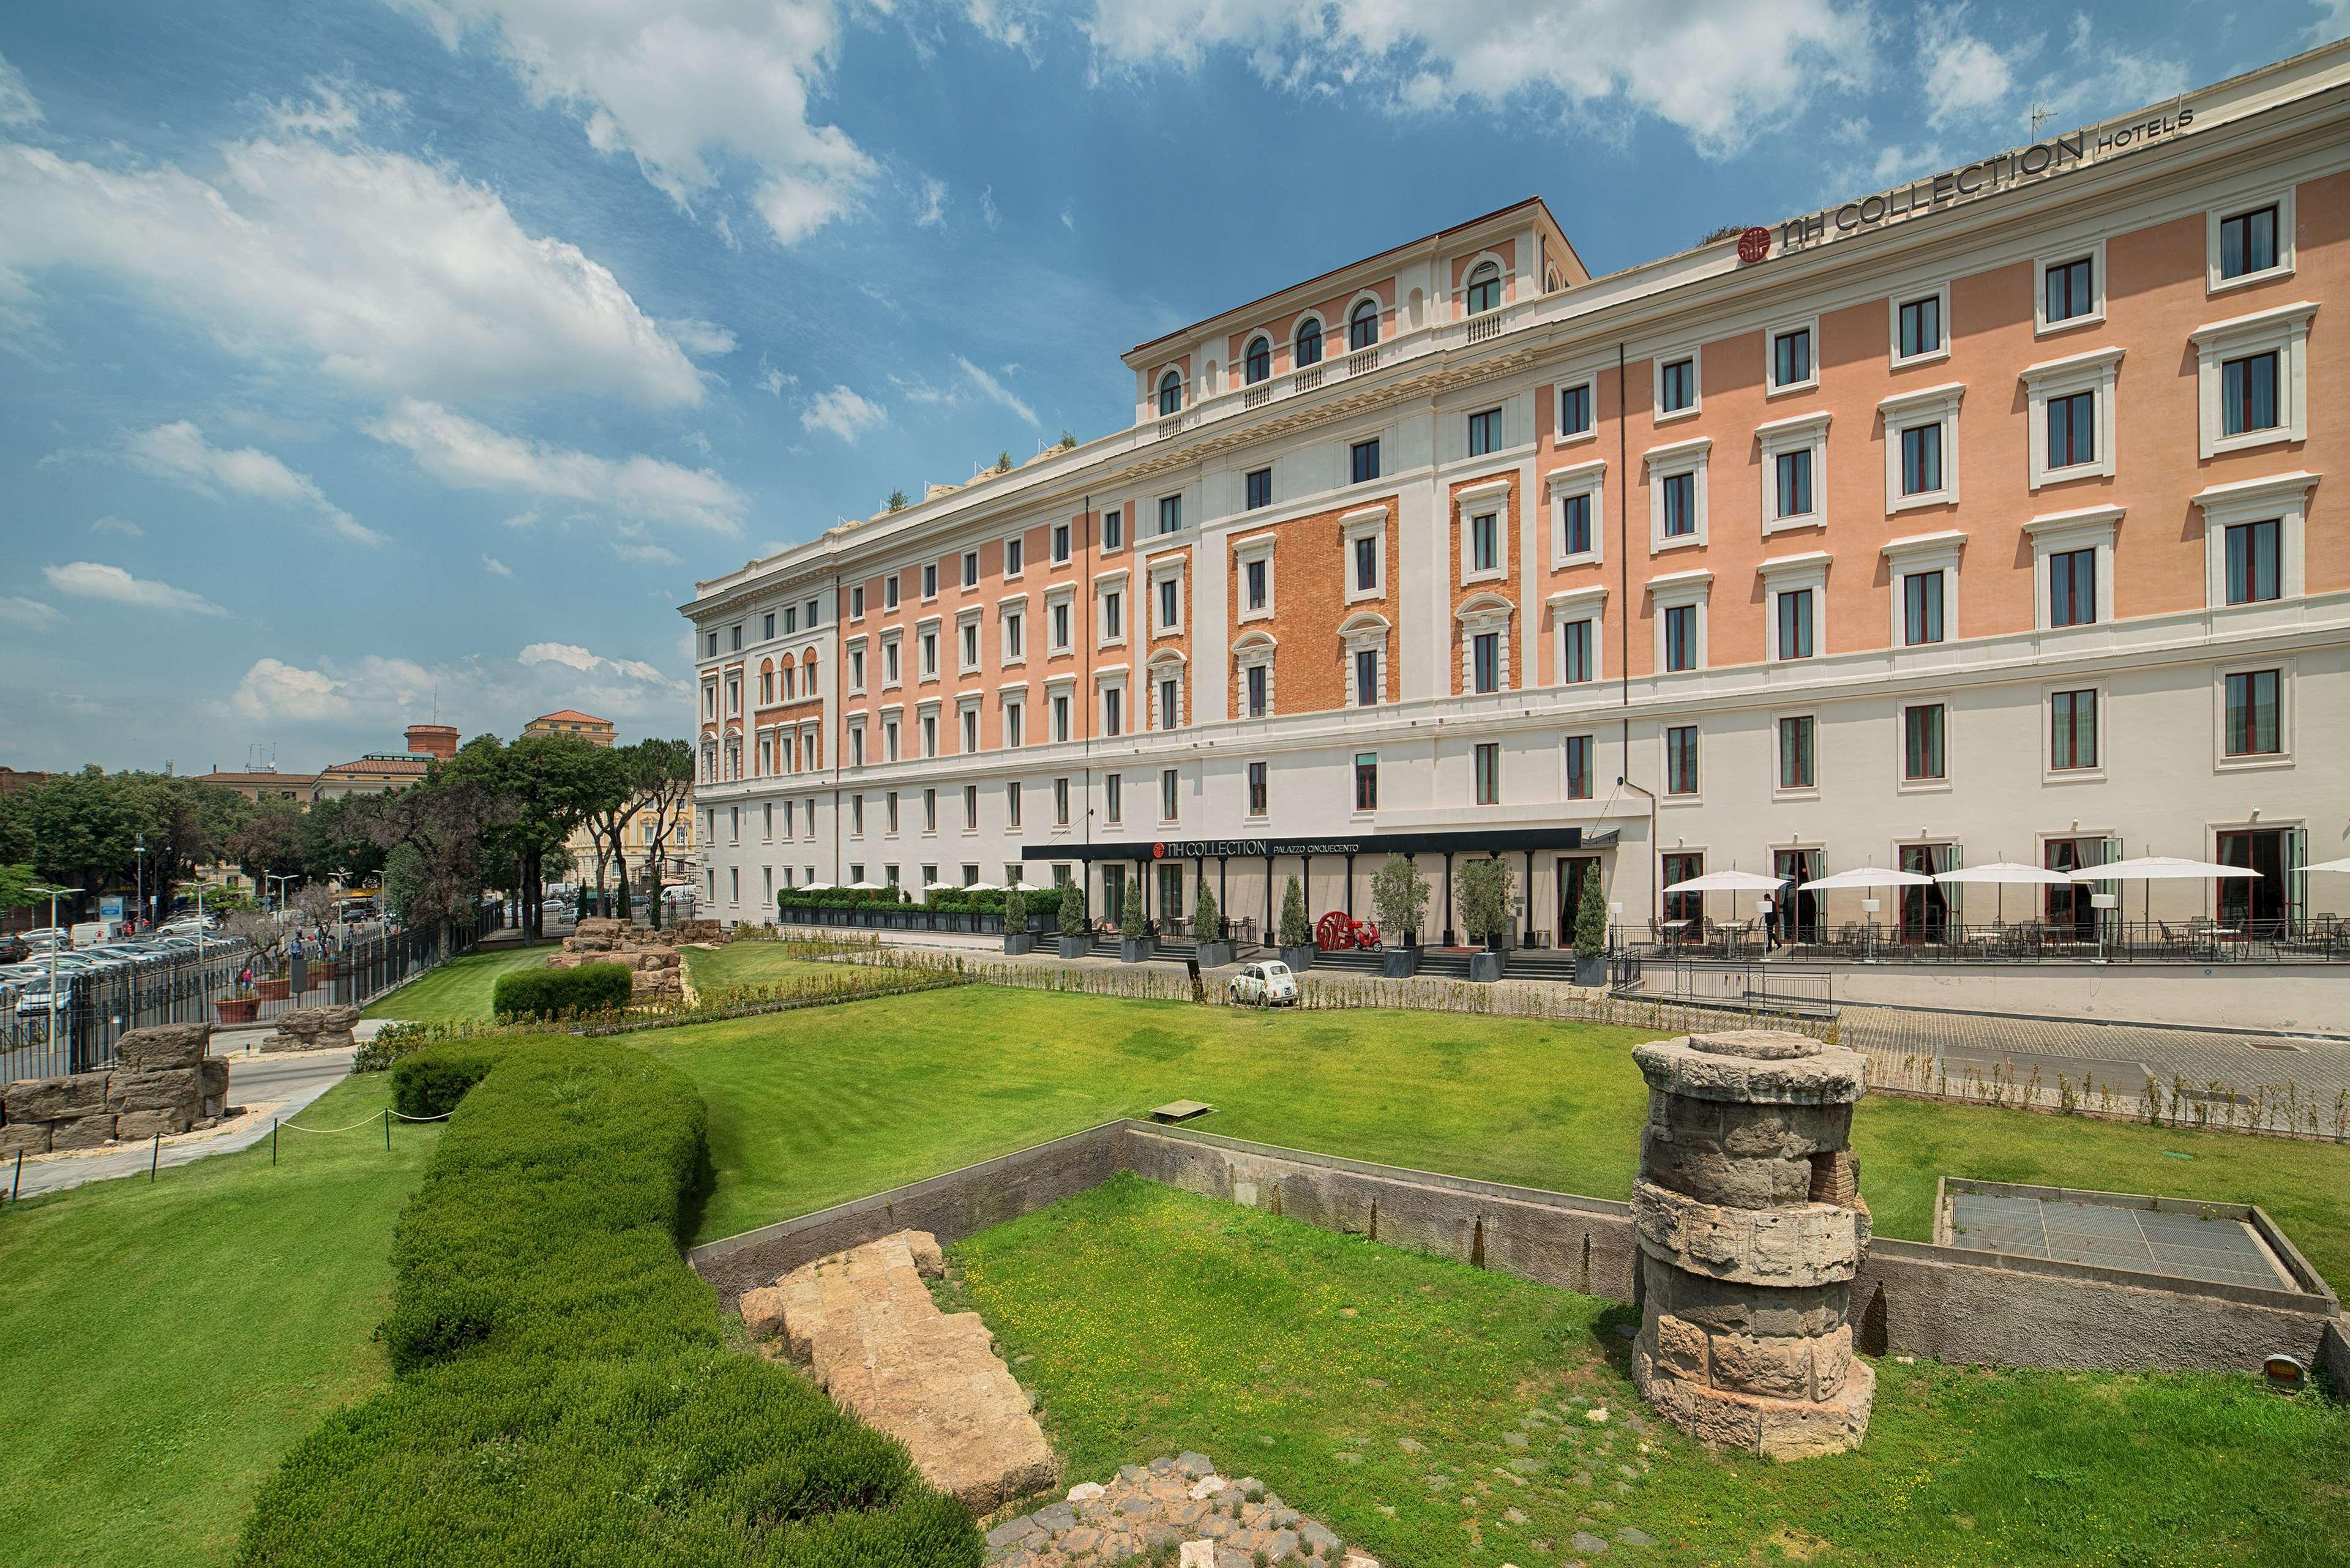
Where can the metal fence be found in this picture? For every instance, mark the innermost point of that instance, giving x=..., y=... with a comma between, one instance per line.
x=2203, y=941
x=1732, y=987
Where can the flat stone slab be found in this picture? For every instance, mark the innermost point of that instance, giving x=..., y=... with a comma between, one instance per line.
x=1180, y=1110
x=864, y=1322
x=1753, y=1067
x=1179, y=1500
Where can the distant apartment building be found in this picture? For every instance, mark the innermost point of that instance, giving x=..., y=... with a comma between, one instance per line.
x=571, y=722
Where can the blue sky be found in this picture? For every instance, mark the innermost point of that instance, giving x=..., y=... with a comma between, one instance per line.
x=355, y=357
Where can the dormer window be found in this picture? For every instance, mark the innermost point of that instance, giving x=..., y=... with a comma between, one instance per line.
x=1309, y=343
x=1363, y=326
x=1484, y=288
x=1170, y=393
x=1258, y=366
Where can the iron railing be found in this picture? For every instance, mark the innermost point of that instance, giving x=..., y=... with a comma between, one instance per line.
x=2194, y=940
x=1732, y=987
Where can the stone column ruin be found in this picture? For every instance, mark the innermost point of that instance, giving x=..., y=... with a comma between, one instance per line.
x=1751, y=1227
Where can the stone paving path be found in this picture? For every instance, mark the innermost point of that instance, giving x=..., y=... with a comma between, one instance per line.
x=1174, y=1510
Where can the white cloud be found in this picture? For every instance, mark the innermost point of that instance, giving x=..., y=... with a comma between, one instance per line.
x=273, y=689
x=570, y=655
x=1963, y=76
x=18, y=105
x=496, y=567
x=995, y=390
x=122, y=526
x=1070, y=221
x=647, y=555
x=333, y=108
x=772, y=380
x=2333, y=23
x=1724, y=71
x=178, y=452
x=987, y=207
x=93, y=580
x=843, y=412
x=934, y=211
x=385, y=272
x=524, y=519
x=703, y=339
x=464, y=452
x=30, y=614
x=674, y=84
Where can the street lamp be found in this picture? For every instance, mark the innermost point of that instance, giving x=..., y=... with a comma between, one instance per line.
x=268, y=877
x=54, y=894
x=141, y=850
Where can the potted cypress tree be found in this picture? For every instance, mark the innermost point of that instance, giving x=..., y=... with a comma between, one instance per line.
x=1208, y=926
x=1591, y=933
x=1074, y=940
x=1485, y=891
x=1296, y=930
x=1134, y=943
x=1016, y=938
x=1401, y=898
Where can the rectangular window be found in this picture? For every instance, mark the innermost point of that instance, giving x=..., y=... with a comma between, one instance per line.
x=1014, y=625
x=1364, y=456
x=1257, y=690
x=1921, y=459
x=735, y=634
x=815, y=615
x=1113, y=529
x=929, y=655
x=1060, y=543
x=1578, y=767
x=1791, y=358
x=929, y=734
x=930, y=580
x=1366, y=563
x=1680, y=637
x=1485, y=543
x=713, y=644
x=1061, y=627
x=2073, y=429
x=1170, y=704
x=1921, y=609
x=1169, y=610
x=1061, y=802
x=767, y=625
x=889, y=813
x=1489, y=773
x=1114, y=797
x=1366, y=781
x=1794, y=481
x=857, y=814
x=1921, y=742
x=890, y=592
x=1113, y=616
x=1677, y=385
x=2248, y=394
x=1257, y=789
x=2073, y=588
x=1366, y=678
x=1795, y=762
x=1259, y=488
x=1113, y=711
x=1681, y=760
x=971, y=568
x=2068, y=290
x=1258, y=578
x=1170, y=515
x=2252, y=562
x=2253, y=714
x=1574, y=653
x=1060, y=718
x=1921, y=327
x=1012, y=804
x=1680, y=505
x=971, y=645
x=1485, y=659
x=2073, y=729
x=1168, y=801
x=1012, y=714
x=2248, y=242
x=1795, y=624
x=1015, y=555
x=1574, y=409
x=1575, y=526
x=970, y=730
x=971, y=813
x=1484, y=432
x=856, y=601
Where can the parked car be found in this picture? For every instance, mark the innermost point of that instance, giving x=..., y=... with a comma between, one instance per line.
x=1268, y=984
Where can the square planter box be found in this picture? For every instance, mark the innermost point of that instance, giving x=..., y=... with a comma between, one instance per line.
x=1215, y=955
x=238, y=1010
x=1019, y=944
x=273, y=990
x=1299, y=960
x=1485, y=968
x=1134, y=949
x=1075, y=947
x=1400, y=963
x=1591, y=970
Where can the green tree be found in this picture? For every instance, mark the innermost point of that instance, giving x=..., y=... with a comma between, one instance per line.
x=1400, y=895
x=1073, y=910
x=334, y=842
x=663, y=774
x=549, y=784
x=1486, y=891
x=1015, y=908
x=1129, y=915
x=1207, y=920
x=1591, y=918
x=1296, y=930
x=268, y=842
x=16, y=883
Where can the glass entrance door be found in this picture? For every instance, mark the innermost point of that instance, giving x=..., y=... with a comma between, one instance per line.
x=1170, y=896
x=1925, y=912
x=2071, y=916
x=1799, y=913
x=1573, y=872
x=2253, y=904
x=1113, y=890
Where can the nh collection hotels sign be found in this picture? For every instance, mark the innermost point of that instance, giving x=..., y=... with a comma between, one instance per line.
x=1973, y=181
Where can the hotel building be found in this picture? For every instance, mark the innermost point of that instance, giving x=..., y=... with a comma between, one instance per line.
x=1983, y=518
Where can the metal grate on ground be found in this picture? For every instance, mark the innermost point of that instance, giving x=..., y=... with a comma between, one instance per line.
x=2143, y=1241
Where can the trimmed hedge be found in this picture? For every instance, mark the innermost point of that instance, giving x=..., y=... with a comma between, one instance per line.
x=552, y=992
x=565, y=1392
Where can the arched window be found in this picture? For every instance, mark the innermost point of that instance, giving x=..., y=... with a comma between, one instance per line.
x=1309, y=343
x=1259, y=363
x=1170, y=393
x=1484, y=288
x=1363, y=327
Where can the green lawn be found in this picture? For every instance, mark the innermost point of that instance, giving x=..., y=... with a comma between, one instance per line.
x=813, y=1107
x=1150, y=1320
x=166, y=1344
x=459, y=989
x=751, y=961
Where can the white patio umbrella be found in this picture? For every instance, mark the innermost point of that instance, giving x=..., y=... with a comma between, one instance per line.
x=2005, y=872
x=815, y=886
x=982, y=887
x=2342, y=864
x=2153, y=869
x=1728, y=882
x=861, y=886
x=1867, y=878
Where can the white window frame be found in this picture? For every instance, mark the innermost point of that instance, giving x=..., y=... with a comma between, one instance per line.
x=1012, y=707
x=1895, y=359
x=1164, y=572
x=893, y=659
x=1478, y=614
x=1106, y=584
x=2096, y=372
x=2095, y=315
x=1663, y=462
x=1364, y=631
x=1695, y=354
x=967, y=635
x=1066, y=596
x=1783, y=792
x=856, y=648
x=1010, y=612
x=2284, y=497
x=1246, y=552
x=1363, y=523
x=2058, y=533
x=1807, y=573
x=1908, y=410
x=1064, y=686
x=2049, y=772
x=967, y=571
x=930, y=581
x=893, y=731
x=1779, y=438
x=1924, y=553
x=1567, y=607
x=2287, y=710
x=1164, y=663
x=1902, y=783
x=857, y=742
x=1771, y=335
x=1105, y=682
x=1469, y=502
x=1560, y=434
x=1018, y=540
x=1562, y=484
x=928, y=626
x=2285, y=329
x=1677, y=591
x=1252, y=650
x=926, y=714
x=2281, y=200
x=967, y=713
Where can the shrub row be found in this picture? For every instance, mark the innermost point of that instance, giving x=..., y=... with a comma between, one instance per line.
x=563, y=1390
x=553, y=992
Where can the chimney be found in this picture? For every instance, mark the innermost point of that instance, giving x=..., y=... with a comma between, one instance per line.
x=432, y=741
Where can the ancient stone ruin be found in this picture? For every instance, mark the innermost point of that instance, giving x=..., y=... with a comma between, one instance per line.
x=165, y=1081
x=1179, y=1502
x=1751, y=1226
x=651, y=954
x=313, y=1029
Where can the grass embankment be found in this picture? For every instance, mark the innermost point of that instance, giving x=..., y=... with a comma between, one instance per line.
x=566, y=1391
x=169, y=1344
x=460, y=988
x=831, y=1104
x=1434, y=1414
x=748, y=962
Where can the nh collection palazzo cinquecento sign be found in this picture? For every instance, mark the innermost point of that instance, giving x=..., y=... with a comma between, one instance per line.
x=1973, y=181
